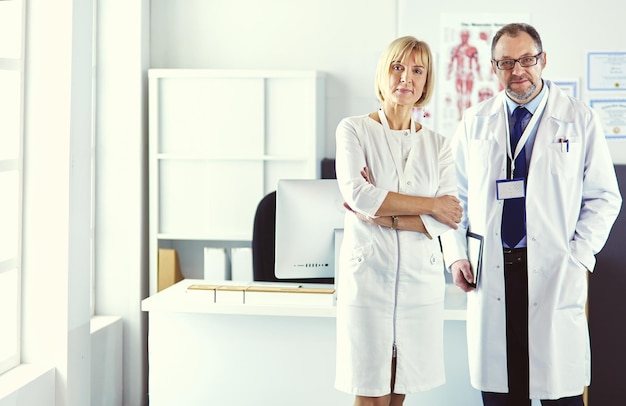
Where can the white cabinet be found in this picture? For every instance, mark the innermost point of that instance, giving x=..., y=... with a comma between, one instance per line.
x=219, y=142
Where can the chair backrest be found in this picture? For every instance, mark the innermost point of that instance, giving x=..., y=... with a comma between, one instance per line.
x=264, y=239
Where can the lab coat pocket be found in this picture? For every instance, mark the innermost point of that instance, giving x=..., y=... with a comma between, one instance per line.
x=563, y=159
x=573, y=286
x=576, y=264
x=357, y=277
x=424, y=279
x=360, y=256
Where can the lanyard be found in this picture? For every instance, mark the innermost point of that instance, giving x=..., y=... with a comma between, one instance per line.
x=396, y=156
x=531, y=124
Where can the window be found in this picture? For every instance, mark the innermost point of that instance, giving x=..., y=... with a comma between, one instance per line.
x=11, y=128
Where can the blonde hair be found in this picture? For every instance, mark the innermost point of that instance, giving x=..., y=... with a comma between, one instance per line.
x=398, y=50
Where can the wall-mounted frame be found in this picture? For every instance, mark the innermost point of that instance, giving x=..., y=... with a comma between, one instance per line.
x=606, y=71
x=569, y=86
x=612, y=113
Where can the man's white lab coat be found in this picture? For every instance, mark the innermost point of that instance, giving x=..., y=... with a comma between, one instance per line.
x=572, y=200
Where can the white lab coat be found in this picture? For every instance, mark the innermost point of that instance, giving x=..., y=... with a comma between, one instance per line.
x=390, y=284
x=572, y=200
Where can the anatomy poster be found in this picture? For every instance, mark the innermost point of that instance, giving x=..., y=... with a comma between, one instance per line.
x=465, y=77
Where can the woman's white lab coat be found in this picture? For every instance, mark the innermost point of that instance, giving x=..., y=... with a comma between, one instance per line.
x=390, y=284
x=572, y=200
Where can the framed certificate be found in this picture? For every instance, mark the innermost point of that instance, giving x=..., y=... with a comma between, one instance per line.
x=612, y=113
x=569, y=86
x=606, y=70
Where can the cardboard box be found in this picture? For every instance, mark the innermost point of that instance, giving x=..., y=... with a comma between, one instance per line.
x=169, y=269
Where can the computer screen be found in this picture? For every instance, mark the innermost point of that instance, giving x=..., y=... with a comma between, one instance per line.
x=309, y=213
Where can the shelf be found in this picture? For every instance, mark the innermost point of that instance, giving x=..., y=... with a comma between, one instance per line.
x=220, y=140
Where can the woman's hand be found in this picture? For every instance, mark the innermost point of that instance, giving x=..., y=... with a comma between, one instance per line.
x=409, y=223
x=366, y=175
x=447, y=210
x=380, y=221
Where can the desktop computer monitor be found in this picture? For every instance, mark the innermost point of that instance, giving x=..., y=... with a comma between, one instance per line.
x=309, y=213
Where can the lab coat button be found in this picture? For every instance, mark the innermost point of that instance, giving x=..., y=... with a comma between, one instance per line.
x=406, y=133
x=408, y=183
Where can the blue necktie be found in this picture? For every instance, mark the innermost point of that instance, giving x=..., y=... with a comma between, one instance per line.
x=514, y=214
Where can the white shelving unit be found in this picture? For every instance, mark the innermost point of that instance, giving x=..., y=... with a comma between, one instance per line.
x=219, y=141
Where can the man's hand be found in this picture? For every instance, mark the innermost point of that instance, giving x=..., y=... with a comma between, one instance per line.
x=462, y=275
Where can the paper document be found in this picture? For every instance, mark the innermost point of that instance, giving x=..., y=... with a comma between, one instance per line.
x=215, y=264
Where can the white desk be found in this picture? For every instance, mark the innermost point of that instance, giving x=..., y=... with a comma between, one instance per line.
x=211, y=354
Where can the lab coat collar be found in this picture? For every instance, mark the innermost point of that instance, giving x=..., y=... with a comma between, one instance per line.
x=558, y=113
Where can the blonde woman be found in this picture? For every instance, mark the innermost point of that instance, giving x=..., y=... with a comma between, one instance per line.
x=399, y=185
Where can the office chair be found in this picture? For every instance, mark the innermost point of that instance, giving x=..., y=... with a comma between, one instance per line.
x=264, y=244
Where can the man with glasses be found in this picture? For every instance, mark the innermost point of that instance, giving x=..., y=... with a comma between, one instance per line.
x=536, y=181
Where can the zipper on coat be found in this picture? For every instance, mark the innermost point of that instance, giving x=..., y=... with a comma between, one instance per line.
x=394, y=350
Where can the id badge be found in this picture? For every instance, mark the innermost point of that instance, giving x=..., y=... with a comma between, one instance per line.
x=510, y=188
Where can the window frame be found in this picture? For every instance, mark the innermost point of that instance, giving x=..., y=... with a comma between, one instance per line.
x=15, y=63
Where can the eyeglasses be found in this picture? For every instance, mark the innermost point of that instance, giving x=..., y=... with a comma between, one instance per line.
x=524, y=62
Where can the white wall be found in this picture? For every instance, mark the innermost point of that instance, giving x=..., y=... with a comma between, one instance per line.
x=345, y=38
x=121, y=181
x=57, y=198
